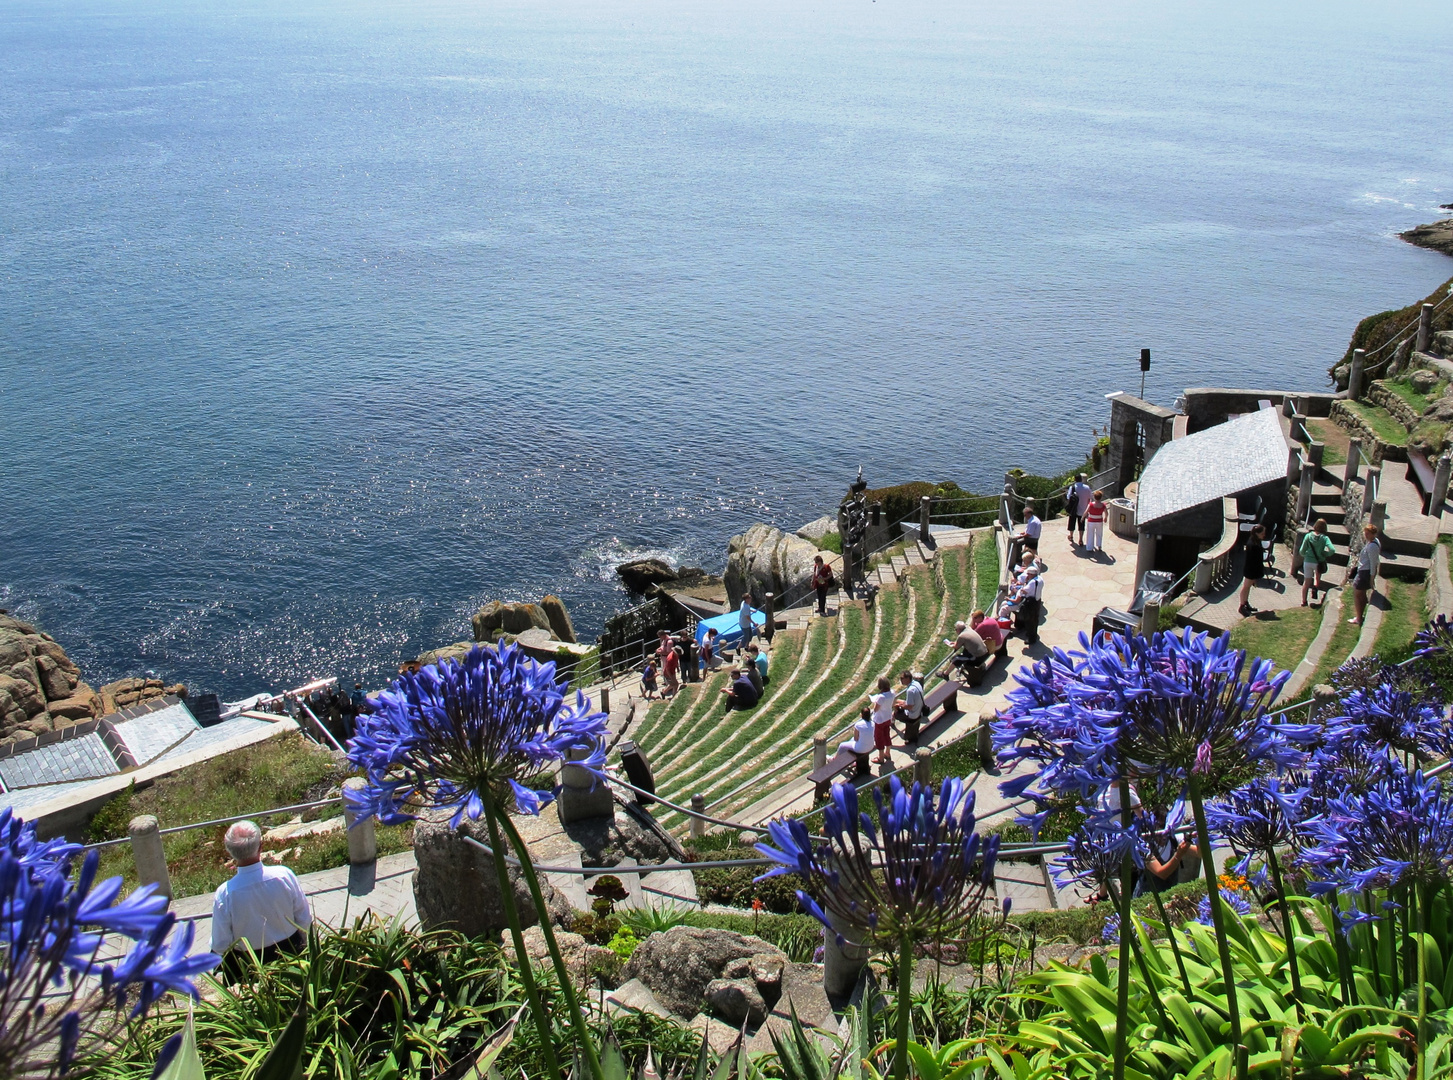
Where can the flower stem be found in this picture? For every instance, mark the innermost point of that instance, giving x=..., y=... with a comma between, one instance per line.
x=1174, y=946
x=1152, y=985
x=587, y=1044
x=1288, y=931
x=1122, y=987
x=527, y=975
x=1218, y=921
x=1414, y=893
x=905, y=1003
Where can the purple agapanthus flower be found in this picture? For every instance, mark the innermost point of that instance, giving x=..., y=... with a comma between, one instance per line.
x=1391, y=718
x=1234, y=899
x=455, y=732
x=60, y=999
x=1400, y=831
x=1095, y=853
x=1165, y=707
x=924, y=875
x=1259, y=816
x=1435, y=639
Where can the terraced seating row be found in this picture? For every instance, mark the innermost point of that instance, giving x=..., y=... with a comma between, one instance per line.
x=819, y=678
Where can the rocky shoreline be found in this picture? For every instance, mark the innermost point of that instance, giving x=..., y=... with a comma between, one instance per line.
x=1436, y=236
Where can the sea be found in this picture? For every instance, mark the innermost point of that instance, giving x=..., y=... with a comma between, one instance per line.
x=322, y=323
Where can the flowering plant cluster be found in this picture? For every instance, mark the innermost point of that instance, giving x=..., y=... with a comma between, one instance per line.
x=58, y=996
x=449, y=734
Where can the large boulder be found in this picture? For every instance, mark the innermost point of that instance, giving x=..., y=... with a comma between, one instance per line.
x=583, y=960
x=22, y=693
x=456, y=885
x=678, y=966
x=640, y=574
x=814, y=531
x=458, y=651
x=123, y=693
x=40, y=686
x=736, y=1001
x=507, y=619
x=55, y=680
x=764, y=559
x=560, y=625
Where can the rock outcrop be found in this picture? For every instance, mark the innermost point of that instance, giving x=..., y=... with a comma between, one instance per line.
x=127, y=692
x=41, y=689
x=814, y=531
x=508, y=619
x=456, y=886
x=764, y=559
x=640, y=574
x=1438, y=236
x=680, y=966
x=560, y=625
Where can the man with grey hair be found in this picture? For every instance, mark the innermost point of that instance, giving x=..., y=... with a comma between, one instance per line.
x=262, y=905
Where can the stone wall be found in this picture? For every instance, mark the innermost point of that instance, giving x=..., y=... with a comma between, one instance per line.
x=1352, y=516
x=1128, y=415
x=1374, y=450
x=1401, y=411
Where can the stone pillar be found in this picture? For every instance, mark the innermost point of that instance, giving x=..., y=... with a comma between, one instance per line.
x=769, y=628
x=362, y=840
x=1324, y=699
x=1354, y=460
x=605, y=700
x=925, y=511
x=1297, y=560
x=1440, y=486
x=1294, y=462
x=583, y=795
x=1374, y=474
x=1304, y=490
x=841, y=964
x=1150, y=618
x=819, y=751
x=1144, y=557
x=1379, y=514
x=150, y=858
x=1425, y=327
x=1356, y=378
x=698, y=827
x=984, y=737
x=1201, y=583
x=923, y=766
x=1315, y=451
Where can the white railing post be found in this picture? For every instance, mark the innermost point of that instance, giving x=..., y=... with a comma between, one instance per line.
x=1354, y=461
x=150, y=856
x=698, y=806
x=1440, y=486
x=1425, y=327
x=362, y=839
x=1205, y=574
x=1357, y=375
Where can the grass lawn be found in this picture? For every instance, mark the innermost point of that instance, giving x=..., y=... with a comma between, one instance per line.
x=1419, y=402
x=1332, y=437
x=1380, y=422
x=1279, y=636
x=986, y=570
x=283, y=771
x=1344, y=639
x=1402, y=621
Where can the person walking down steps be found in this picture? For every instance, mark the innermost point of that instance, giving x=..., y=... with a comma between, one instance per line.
x=1363, y=576
x=1254, y=569
x=1316, y=550
x=821, y=581
x=744, y=617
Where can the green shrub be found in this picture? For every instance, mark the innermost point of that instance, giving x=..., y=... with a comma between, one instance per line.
x=623, y=943
x=832, y=541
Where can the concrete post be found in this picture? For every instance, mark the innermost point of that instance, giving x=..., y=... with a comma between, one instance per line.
x=925, y=511
x=1356, y=377
x=1297, y=560
x=1324, y=699
x=769, y=628
x=1144, y=557
x=1150, y=618
x=841, y=964
x=1354, y=460
x=1440, y=486
x=150, y=858
x=698, y=827
x=605, y=700
x=1379, y=514
x=582, y=794
x=1201, y=583
x=1294, y=462
x=984, y=737
x=1316, y=450
x=1304, y=491
x=362, y=840
x=819, y=751
x=923, y=766
x=1425, y=327
x=1374, y=474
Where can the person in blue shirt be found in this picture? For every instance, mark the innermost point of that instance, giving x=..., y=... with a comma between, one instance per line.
x=759, y=658
x=740, y=694
x=745, y=617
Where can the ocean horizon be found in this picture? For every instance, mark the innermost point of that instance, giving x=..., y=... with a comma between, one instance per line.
x=322, y=324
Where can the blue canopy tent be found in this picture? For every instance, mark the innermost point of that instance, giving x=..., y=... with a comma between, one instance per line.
x=728, y=627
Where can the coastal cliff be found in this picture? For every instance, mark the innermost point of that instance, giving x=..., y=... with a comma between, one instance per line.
x=1437, y=236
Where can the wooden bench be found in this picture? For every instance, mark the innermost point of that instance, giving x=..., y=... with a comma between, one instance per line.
x=840, y=762
x=945, y=694
x=1420, y=472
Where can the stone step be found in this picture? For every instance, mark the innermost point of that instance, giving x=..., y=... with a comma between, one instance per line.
x=1403, y=567
x=1023, y=883
x=570, y=886
x=914, y=556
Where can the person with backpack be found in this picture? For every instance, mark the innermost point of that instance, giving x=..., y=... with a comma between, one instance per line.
x=1316, y=550
x=1077, y=501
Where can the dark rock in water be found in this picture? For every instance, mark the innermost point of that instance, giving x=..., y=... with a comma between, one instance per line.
x=640, y=574
x=1437, y=236
x=679, y=965
x=560, y=625
x=508, y=619
x=456, y=886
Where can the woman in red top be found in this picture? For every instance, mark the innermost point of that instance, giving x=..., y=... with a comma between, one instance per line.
x=669, y=663
x=1095, y=515
x=821, y=581
x=988, y=629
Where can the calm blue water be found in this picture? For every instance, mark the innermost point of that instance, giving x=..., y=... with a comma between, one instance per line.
x=322, y=323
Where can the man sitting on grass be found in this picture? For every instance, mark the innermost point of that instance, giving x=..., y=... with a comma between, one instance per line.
x=740, y=693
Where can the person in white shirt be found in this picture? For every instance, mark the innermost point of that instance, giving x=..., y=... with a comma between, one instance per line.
x=910, y=709
x=883, y=719
x=262, y=905
x=744, y=618
x=862, y=740
x=1028, y=538
x=1031, y=596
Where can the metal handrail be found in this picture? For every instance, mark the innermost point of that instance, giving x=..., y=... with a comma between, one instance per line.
x=222, y=821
